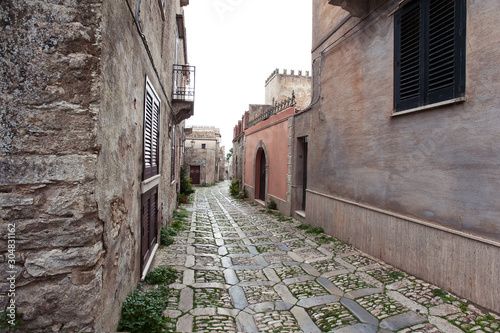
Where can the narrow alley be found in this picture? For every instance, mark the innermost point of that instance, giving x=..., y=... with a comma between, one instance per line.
x=242, y=268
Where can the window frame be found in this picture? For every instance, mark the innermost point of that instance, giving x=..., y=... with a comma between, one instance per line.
x=151, y=132
x=427, y=98
x=173, y=155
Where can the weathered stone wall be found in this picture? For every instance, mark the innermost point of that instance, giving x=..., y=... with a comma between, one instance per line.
x=257, y=110
x=208, y=157
x=280, y=86
x=132, y=52
x=238, y=157
x=49, y=111
x=71, y=151
x=222, y=163
x=205, y=158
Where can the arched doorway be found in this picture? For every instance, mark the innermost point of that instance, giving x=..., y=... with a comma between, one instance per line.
x=261, y=165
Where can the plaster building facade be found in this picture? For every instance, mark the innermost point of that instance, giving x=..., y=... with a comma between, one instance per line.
x=204, y=157
x=400, y=138
x=263, y=140
x=94, y=98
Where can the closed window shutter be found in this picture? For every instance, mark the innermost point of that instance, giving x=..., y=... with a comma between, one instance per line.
x=149, y=224
x=153, y=222
x=172, y=157
x=409, y=65
x=429, y=52
x=151, y=132
x=145, y=218
x=445, y=45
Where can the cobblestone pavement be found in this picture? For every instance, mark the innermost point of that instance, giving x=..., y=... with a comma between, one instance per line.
x=245, y=270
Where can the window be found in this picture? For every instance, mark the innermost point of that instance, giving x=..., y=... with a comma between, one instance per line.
x=203, y=146
x=429, y=55
x=151, y=131
x=172, y=157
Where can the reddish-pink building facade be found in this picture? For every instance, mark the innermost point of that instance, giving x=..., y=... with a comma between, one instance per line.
x=266, y=158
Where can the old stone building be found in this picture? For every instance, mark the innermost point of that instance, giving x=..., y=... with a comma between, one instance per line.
x=222, y=167
x=396, y=150
x=400, y=138
x=263, y=144
x=238, y=147
x=204, y=157
x=94, y=95
x=281, y=86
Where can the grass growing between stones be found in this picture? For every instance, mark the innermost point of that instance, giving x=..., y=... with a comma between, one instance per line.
x=270, y=211
x=331, y=316
x=162, y=275
x=214, y=324
x=142, y=311
x=310, y=229
x=445, y=296
x=211, y=297
x=283, y=218
x=272, y=205
x=168, y=233
x=474, y=320
x=386, y=276
x=11, y=321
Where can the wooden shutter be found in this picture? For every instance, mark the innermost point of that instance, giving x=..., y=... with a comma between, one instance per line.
x=446, y=50
x=172, y=157
x=429, y=53
x=151, y=132
x=149, y=224
x=409, y=64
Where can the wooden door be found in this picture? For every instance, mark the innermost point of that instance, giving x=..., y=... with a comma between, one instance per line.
x=194, y=174
x=149, y=224
x=304, y=175
x=262, y=177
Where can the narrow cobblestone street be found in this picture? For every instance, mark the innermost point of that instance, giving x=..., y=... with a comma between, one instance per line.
x=243, y=269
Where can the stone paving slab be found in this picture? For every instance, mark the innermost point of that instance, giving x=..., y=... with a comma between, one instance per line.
x=243, y=269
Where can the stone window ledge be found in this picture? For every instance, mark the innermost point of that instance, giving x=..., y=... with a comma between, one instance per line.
x=430, y=106
x=149, y=183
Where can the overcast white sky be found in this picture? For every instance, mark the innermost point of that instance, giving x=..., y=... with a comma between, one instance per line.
x=235, y=46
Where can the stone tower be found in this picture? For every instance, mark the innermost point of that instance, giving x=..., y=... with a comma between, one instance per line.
x=279, y=86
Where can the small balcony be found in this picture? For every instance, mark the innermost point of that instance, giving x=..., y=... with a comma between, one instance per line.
x=183, y=92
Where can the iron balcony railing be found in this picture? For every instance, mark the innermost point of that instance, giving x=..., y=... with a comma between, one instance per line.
x=184, y=79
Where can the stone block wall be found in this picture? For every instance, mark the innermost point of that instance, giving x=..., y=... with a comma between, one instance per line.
x=280, y=86
x=49, y=103
x=71, y=141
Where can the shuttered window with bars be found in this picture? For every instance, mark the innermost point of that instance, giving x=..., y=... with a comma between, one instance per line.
x=151, y=131
x=429, y=53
